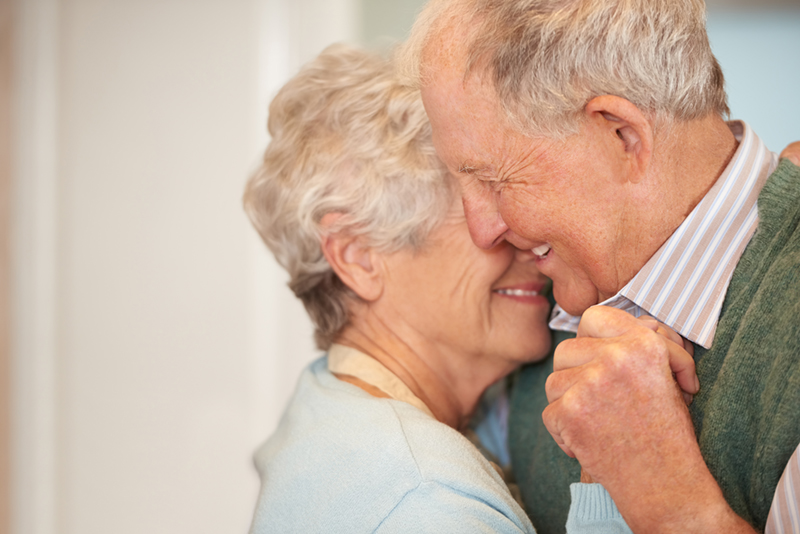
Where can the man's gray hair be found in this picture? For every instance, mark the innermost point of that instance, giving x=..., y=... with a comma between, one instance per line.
x=347, y=138
x=548, y=58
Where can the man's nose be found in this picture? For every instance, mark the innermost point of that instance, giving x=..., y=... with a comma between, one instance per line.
x=486, y=226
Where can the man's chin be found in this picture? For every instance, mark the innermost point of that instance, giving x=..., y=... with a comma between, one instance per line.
x=572, y=303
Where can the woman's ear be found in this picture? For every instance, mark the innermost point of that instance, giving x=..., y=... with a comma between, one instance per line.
x=356, y=265
x=634, y=134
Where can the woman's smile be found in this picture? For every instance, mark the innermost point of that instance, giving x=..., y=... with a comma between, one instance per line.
x=522, y=292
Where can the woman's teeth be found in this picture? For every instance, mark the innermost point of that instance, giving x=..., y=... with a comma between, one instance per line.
x=542, y=251
x=517, y=292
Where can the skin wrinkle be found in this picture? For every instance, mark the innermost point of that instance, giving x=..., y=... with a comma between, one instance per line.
x=444, y=401
x=586, y=257
x=458, y=292
x=452, y=336
x=359, y=339
x=604, y=215
x=464, y=280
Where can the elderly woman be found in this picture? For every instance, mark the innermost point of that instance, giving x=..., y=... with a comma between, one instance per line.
x=417, y=322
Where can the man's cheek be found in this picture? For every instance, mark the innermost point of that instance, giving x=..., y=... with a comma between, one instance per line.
x=522, y=216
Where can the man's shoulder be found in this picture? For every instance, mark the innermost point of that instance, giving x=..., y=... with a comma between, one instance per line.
x=769, y=265
x=779, y=201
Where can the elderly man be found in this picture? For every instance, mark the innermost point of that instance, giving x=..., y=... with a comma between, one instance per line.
x=592, y=132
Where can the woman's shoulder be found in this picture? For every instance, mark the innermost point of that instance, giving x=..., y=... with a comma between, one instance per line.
x=341, y=456
x=337, y=456
x=328, y=419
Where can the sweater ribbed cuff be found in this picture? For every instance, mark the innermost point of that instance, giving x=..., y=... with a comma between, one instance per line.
x=593, y=510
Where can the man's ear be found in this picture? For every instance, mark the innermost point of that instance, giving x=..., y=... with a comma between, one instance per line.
x=356, y=264
x=634, y=134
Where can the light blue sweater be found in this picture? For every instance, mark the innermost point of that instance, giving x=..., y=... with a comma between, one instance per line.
x=342, y=461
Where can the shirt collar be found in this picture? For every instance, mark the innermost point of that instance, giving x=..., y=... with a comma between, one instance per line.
x=684, y=284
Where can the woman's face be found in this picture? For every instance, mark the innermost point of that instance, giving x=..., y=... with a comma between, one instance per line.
x=477, y=303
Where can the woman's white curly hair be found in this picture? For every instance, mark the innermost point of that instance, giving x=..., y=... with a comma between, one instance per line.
x=346, y=137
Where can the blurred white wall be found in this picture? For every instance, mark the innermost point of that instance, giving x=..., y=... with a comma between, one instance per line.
x=155, y=340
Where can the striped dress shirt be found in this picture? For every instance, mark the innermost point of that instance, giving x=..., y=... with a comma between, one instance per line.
x=784, y=515
x=684, y=284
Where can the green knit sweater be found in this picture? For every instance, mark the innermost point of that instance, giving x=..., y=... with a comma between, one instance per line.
x=747, y=414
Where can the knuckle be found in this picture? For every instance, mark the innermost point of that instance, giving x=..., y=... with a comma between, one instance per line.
x=591, y=313
x=548, y=417
x=595, y=378
x=647, y=347
x=551, y=385
x=561, y=352
x=572, y=404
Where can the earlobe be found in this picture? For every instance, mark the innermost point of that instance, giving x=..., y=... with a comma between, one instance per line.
x=624, y=120
x=356, y=265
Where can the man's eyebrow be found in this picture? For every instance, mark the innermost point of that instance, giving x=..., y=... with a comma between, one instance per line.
x=468, y=168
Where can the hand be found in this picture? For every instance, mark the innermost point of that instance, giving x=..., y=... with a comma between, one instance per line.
x=603, y=322
x=615, y=406
x=670, y=334
x=792, y=152
x=611, y=342
x=679, y=364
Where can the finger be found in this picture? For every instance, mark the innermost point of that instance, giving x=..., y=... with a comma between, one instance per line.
x=681, y=361
x=669, y=333
x=675, y=337
x=559, y=382
x=605, y=321
x=576, y=352
x=688, y=346
x=682, y=365
x=660, y=328
x=550, y=418
x=792, y=152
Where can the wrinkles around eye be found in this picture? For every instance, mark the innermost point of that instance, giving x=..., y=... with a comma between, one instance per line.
x=494, y=184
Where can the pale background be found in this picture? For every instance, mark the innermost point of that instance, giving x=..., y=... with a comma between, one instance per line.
x=154, y=343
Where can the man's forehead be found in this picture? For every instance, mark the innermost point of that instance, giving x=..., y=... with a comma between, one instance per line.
x=446, y=51
x=466, y=99
x=463, y=110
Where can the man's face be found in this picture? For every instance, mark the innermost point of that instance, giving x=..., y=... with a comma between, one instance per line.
x=562, y=199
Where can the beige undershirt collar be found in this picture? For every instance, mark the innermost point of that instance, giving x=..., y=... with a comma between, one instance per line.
x=349, y=361
x=344, y=360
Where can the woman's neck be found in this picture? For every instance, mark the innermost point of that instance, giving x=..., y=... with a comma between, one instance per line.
x=450, y=385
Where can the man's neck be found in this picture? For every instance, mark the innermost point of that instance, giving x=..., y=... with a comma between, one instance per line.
x=697, y=154
x=689, y=157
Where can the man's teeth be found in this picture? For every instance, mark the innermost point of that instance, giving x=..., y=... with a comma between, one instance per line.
x=517, y=292
x=541, y=250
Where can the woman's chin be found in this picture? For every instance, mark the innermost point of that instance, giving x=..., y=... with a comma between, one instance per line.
x=535, y=350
